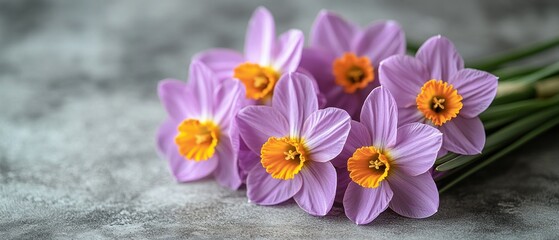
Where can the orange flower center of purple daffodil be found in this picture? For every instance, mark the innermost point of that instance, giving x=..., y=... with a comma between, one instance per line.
x=439, y=101
x=283, y=157
x=368, y=166
x=352, y=72
x=259, y=81
x=197, y=140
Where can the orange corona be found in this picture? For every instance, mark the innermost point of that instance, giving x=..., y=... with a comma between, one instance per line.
x=352, y=72
x=197, y=140
x=259, y=81
x=439, y=101
x=368, y=166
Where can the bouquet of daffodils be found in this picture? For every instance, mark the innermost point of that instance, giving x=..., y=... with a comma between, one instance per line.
x=352, y=118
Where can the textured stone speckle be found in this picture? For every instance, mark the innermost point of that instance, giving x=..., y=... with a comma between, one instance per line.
x=79, y=112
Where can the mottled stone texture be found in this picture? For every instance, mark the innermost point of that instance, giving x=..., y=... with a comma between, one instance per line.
x=79, y=111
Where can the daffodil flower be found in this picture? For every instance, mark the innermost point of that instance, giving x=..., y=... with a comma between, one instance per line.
x=295, y=141
x=199, y=138
x=435, y=88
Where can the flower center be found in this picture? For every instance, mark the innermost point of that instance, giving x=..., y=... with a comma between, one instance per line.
x=439, y=101
x=352, y=72
x=259, y=81
x=368, y=167
x=283, y=157
x=197, y=140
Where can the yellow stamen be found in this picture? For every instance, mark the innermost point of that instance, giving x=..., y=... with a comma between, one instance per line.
x=352, y=72
x=283, y=157
x=439, y=101
x=197, y=140
x=368, y=166
x=259, y=81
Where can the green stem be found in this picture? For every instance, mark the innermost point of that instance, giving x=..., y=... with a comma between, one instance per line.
x=545, y=72
x=511, y=73
x=446, y=158
x=516, y=54
x=502, y=137
x=521, y=141
x=520, y=108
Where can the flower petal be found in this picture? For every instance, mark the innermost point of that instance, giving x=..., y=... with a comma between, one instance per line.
x=359, y=136
x=317, y=194
x=325, y=132
x=258, y=123
x=416, y=148
x=260, y=37
x=403, y=76
x=319, y=64
x=414, y=197
x=380, y=41
x=441, y=58
x=331, y=32
x=247, y=160
x=477, y=88
x=288, y=50
x=343, y=181
x=409, y=115
x=463, y=135
x=184, y=170
x=380, y=116
x=229, y=98
x=363, y=205
x=203, y=83
x=174, y=96
x=262, y=189
x=295, y=98
x=221, y=61
x=227, y=171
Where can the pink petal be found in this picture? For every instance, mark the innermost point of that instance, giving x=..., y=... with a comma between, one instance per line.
x=287, y=53
x=260, y=37
x=403, y=76
x=359, y=136
x=325, y=132
x=332, y=33
x=184, y=170
x=414, y=197
x=262, y=189
x=258, y=123
x=363, y=205
x=319, y=64
x=227, y=171
x=174, y=96
x=343, y=181
x=380, y=41
x=380, y=116
x=463, y=135
x=221, y=61
x=409, y=115
x=416, y=148
x=229, y=98
x=477, y=88
x=317, y=194
x=247, y=160
x=441, y=58
x=203, y=83
x=295, y=98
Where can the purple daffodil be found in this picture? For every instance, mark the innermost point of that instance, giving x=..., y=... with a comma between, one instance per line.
x=344, y=58
x=388, y=165
x=435, y=88
x=265, y=58
x=295, y=142
x=197, y=138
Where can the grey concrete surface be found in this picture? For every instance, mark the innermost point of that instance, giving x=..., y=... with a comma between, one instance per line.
x=78, y=114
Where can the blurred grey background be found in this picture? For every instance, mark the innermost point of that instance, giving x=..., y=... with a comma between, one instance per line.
x=78, y=114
